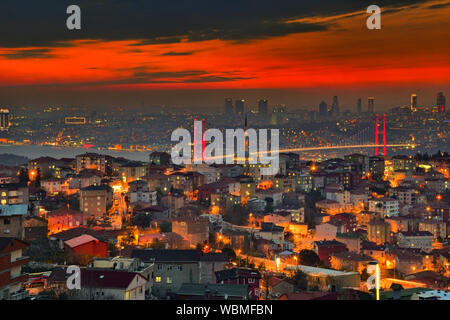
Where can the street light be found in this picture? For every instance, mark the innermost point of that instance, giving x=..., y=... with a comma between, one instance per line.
x=377, y=277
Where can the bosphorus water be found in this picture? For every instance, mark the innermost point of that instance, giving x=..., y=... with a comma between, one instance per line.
x=36, y=151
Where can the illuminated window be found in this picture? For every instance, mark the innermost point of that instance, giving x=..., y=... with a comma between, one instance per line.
x=158, y=279
x=169, y=280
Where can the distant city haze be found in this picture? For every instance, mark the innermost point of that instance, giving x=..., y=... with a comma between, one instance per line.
x=212, y=101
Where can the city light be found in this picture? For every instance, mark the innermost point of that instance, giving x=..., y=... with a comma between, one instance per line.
x=221, y=152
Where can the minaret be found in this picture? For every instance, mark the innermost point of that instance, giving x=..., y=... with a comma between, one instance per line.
x=247, y=155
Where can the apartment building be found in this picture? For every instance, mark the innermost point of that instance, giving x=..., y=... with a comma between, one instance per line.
x=91, y=161
x=13, y=193
x=95, y=200
x=11, y=262
x=12, y=218
x=172, y=268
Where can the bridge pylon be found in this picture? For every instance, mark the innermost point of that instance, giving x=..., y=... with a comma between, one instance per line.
x=383, y=132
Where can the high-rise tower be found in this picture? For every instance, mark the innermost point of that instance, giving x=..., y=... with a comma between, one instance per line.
x=239, y=104
x=359, y=106
x=4, y=119
x=413, y=101
x=323, y=110
x=228, y=106
x=262, y=107
x=335, y=107
x=440, y=102
x=370, y=104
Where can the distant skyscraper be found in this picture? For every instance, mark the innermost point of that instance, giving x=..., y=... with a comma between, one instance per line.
x=239, y=104
x=278, y=116
x=335, y=107
x=440, y=102
x=4, y=119
x=323, y=110
x=359, y=106
x=228, y=106
x=262, y=107
x=413, y=101
x=371, y=104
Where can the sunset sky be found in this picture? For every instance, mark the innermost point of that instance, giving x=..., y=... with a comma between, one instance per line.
x=196, y=53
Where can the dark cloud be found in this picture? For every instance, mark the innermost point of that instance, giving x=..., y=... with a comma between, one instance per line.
x=439, y=6
x=43, y=23
x=167, y=74
x=142, y=77
x=214, y=79
x=28, y=54
x=173, y=53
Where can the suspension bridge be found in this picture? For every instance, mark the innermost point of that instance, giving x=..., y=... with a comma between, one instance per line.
x=370, y=137
x=373, y=136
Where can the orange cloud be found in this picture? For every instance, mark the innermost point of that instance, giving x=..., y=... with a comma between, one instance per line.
x=411, y=47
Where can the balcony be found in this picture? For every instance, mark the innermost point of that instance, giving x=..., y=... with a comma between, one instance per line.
x=19, y=261
x=18, y=278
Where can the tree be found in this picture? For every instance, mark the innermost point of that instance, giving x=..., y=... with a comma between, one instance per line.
x=23, y=175
x=446, y=196
x=165, y=226
x=128, y=238
x=311, y=199
x=364, y=275
x=142, y=220
x=237, y=215
x=262, y=267
x=299, y=280
x=308, y=258
x=230, y=252
x=289, y=236
x=91, y=222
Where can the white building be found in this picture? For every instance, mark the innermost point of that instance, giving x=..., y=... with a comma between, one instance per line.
x=388, y=207
x=338, y=193
x=415, y=240
x=139, y=192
